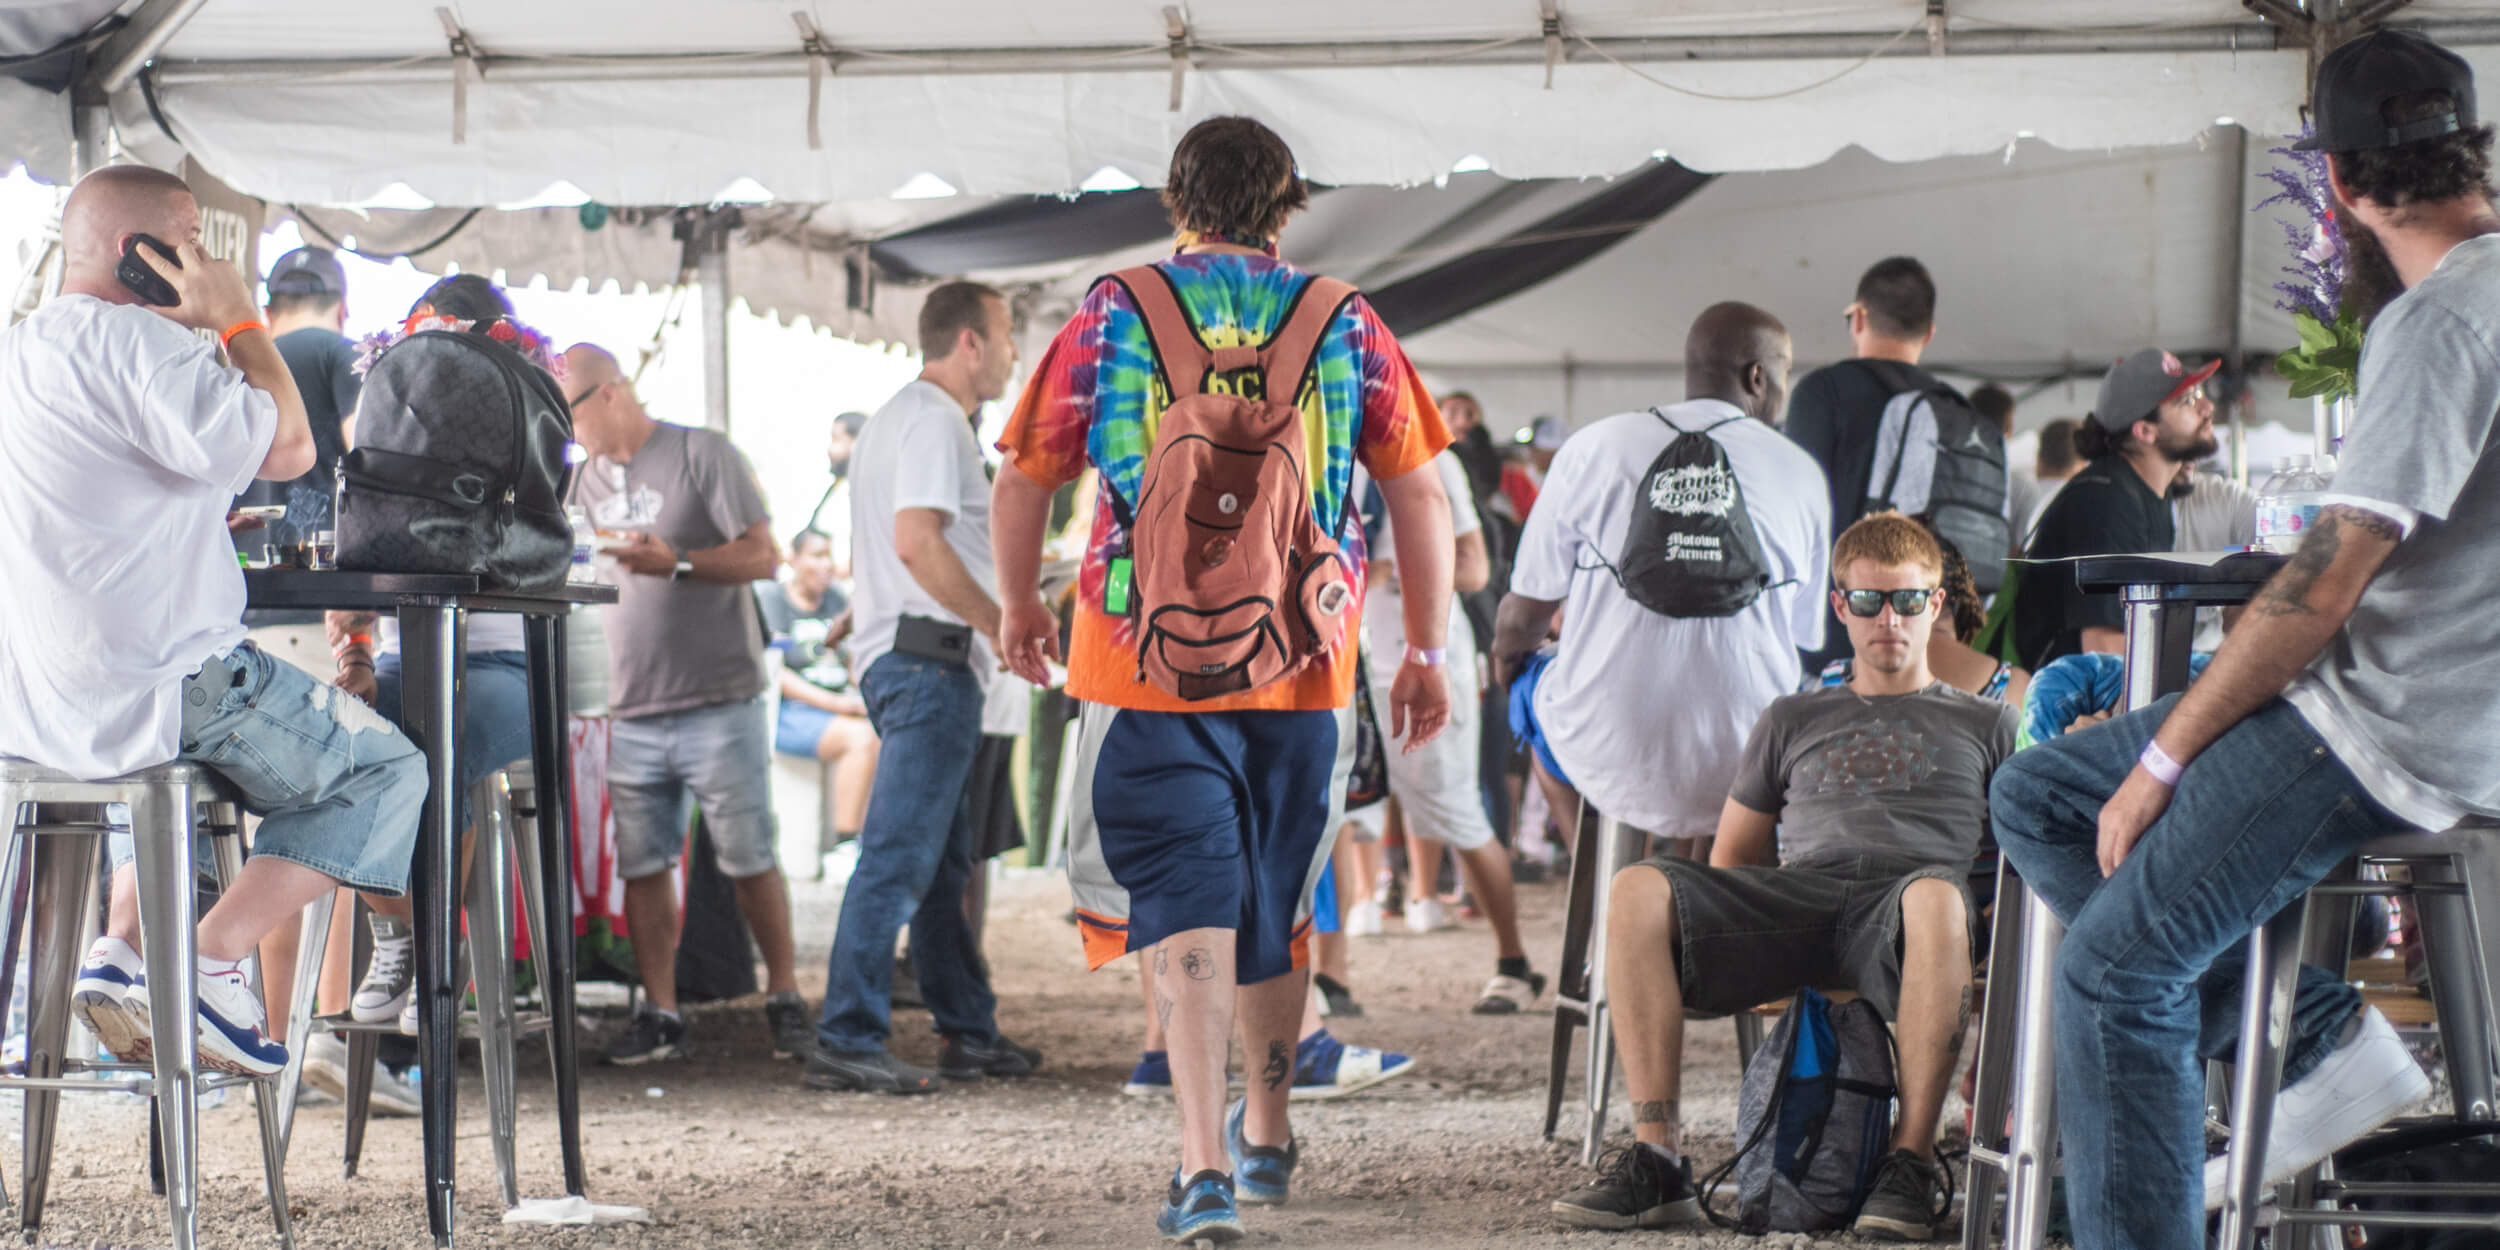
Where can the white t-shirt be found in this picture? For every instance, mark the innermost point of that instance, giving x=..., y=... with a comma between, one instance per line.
x=1647, y=713
x=122, y=441
x=916, y=452
x=1384, y=608
x=488, y=631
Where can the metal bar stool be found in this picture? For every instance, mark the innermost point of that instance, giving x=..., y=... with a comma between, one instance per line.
x=504, y=809
x=2456, y=890
x=1598, y=850
x=50, y=823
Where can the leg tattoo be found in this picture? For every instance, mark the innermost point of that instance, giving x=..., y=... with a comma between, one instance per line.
x=1198, y=964
x=1278, y=1066
x=1657, y=1111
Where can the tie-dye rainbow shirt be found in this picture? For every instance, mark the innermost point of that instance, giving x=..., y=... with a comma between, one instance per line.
x=1095, y=398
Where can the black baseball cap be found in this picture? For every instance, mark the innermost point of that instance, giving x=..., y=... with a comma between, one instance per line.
x=2358, y=78
x=308, y=271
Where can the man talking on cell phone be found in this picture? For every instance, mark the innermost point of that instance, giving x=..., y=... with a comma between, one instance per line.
x=924, y=607
x=122, y=439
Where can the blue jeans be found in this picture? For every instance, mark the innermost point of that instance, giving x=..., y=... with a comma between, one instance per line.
x=494, y=733
x=915, y=857
x=2148, y=980
x=338, y=789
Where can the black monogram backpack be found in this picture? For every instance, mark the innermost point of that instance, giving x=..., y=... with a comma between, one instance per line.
x=459, y=466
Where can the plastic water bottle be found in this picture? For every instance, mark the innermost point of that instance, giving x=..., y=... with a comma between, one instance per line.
x=2287, y=505
x=585, y=542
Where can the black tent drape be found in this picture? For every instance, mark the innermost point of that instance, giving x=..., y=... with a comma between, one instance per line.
x=1526, y=257
x=1018, y=232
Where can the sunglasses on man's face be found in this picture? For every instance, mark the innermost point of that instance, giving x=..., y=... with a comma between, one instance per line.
x=1871, y=602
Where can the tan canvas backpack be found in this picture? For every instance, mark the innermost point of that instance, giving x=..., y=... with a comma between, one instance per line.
x=1237, y=586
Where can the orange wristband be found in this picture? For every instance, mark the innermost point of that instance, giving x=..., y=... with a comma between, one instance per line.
x=227, y=339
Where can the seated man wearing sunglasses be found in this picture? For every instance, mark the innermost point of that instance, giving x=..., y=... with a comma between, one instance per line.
x=1840, y=861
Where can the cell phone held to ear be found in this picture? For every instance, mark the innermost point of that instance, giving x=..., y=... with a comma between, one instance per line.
x=144, y=282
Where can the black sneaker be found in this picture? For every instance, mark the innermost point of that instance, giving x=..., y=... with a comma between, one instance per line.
x=650, y=1038
x=1336, y=1001
x=785, y=1017
x=876, y=1072
x=1910, y=1199
x=970, y=1061
x=1635, y=1188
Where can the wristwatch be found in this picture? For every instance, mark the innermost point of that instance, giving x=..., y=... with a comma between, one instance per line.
x=684, y=570
x=1435, y=657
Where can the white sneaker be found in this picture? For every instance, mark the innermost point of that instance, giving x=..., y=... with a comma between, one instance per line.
x=232, y=1038
x=1508, y=996
x=395, y=1095
x=108, y=979
x=325, y=1064
x=2362, y=1084
x=1427, y=915
x=1363, y=919
x=389, y=978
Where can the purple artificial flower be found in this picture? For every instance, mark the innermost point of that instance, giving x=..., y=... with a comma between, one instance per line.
x=2317, y=244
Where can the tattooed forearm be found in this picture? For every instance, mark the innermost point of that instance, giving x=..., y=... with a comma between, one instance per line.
x=2288, y=593
x=1278, y=1066
x=1656, y=1111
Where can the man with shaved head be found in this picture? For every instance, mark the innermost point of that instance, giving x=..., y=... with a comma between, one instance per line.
x=122, y=440
x=1604, y=725
x=686, y=689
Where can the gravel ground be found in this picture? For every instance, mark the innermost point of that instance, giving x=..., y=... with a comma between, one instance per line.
x=729, y=1150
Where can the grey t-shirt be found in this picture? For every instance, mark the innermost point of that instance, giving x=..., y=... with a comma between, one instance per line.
x=1848, y=774
x=2403, y=695
x=679, y=644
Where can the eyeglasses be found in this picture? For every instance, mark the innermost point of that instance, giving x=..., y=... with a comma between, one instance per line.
x=576, y=401
x=1871, y=602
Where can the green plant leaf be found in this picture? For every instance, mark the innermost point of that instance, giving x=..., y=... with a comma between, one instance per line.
x=2313, y=336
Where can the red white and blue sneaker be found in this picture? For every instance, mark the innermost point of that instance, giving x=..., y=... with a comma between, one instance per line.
x=231, y=1035
x=1262, y=1175
x=1324, y=1067
x=1200, y=1208
x=111, y=999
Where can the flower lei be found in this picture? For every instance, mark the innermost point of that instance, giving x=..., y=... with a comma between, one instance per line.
x=530, y=343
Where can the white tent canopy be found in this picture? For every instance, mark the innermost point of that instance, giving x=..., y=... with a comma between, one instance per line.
x=667, y=101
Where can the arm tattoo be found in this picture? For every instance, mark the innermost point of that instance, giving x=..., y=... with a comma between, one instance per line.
x=1658, y=1111
x=2288, y=593
x=1278, y=1067
x=2382, y=528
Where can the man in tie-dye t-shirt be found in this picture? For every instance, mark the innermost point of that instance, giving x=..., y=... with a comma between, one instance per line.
x=1199, y=827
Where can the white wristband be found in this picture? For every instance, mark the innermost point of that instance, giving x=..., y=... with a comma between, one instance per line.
x=2158, y=763
x=1435, y=657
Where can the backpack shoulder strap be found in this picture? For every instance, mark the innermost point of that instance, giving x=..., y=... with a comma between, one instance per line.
x=1287, y=356
x=1178, y=351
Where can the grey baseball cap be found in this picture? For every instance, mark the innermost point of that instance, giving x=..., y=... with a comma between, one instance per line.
x=2141, y=383
x=308, y=271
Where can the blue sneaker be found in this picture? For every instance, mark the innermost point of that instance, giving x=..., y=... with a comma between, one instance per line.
x=1324, y=1067
x=232, y=1038
x=1261, y=1174
x=1151, y=1078
x=1200, y=1210
x=111, y=999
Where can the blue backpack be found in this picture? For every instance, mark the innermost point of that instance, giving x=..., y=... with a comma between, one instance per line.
x=1815, y=1115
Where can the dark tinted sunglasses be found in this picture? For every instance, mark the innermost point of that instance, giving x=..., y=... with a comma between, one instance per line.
x=1871, y=602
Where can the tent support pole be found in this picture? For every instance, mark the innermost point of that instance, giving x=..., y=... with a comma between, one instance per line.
x=2238, y=355
x=712, y=269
